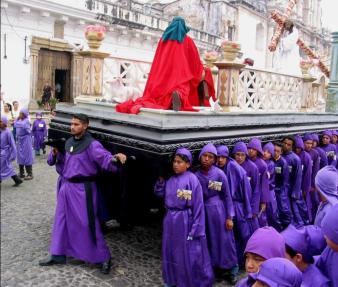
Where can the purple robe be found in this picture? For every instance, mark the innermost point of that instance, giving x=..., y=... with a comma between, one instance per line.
x=331, y=154
x=24, y=142
x=313, y=277
x=39, y=131
x=185, y=262
x=253, y=176
x=7, y=154
x=58, y=161
x=71, y=234
x=241, y=195
x=313, y=194
x=327, y=263
x=322, y=157
x=281, y=191
x=295, y=180
x=218, y=207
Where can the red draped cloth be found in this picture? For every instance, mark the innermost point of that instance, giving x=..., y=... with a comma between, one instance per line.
x=176, y=67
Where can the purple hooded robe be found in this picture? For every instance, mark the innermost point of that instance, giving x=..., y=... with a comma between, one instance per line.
x=73, y=228
x=321, y=152
x=186, y=262
x=7, y=151
x=39, y=131
x=328, y=260
x=24, y=140
x=241, y=194
x=330, y=150
x=58, y=160
x=218, y=207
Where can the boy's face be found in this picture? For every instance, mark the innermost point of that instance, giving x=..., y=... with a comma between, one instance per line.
x=308, y=145
x=207, y=160
x=240, y=157
x=287, y=145
x=267, y=155
x=298, y=150
x=334, y=139
x=221, y=161
x=278, y=152
x=253, y=262
x=326, y=139
x=179, y=165
x=252, y=153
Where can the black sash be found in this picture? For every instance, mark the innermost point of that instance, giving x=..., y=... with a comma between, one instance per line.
x=87, y=181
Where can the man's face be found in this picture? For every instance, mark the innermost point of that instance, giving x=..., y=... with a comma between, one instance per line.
x=278, y=152
x=287, y=145
x=334, y=139
x=308, y=145
x=207, y=159
x=77, y=128
x=240, y=157
x=252, y=153
x=326, y=139
x=221, y=161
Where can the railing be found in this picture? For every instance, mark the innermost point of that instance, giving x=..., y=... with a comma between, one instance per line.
x=115, y=14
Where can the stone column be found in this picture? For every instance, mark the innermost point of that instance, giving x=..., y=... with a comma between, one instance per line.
x=227, y=87
x=307, y=96
x=91, y=74
x=332, y=91
x=34, y=61
x=76, y=76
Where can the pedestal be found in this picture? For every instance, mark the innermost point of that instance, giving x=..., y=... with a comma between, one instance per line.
x=92, y=73
x=227, y=88
x=307, y=96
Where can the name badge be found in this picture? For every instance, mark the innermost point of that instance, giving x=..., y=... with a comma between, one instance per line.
x=278, y=169
x=71, y=149
x=41, y=125
x=215, y=185
x=249, y=178
x=290, y=168
x=269, y=175
x=184, y=194
x=302, y=167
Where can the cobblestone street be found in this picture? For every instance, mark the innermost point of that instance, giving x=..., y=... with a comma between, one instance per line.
x=26, y=219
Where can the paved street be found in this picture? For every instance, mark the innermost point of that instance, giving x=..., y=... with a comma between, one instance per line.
x=26, y=218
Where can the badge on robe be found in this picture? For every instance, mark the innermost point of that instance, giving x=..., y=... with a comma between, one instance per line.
x=184, y=194
x=215, y=185
x=290, y=168
x=278, y=169
x=41, y=125
x=71, y=149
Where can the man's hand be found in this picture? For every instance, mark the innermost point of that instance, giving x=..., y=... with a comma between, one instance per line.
x=262, y=207
x=55, y=151
x=229, y=224
x=121, y=157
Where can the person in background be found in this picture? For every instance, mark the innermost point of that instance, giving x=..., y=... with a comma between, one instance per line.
x=16, y=112
x=321, y=152
x=7, y=153
x=7, y=112
x=39, y=131
x=329, y=148
x=47, y=94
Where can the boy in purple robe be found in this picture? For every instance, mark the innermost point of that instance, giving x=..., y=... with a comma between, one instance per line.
x=281, y=186
x=295, y=180
x=25, y=157
x=326, y=184
x=301, y=245
x=328, y=260
x=271, y=208
x=240, y=153
x=255, y=153
x=321, y=152
x=329, y=148
x=305, y=158
x=219, y=210
x=314, y=200
x=186, y=260
x=39, y=131
x=241, y=195
x=76, y=230
x=264, y=243
x=277, y=272
x=7, y=153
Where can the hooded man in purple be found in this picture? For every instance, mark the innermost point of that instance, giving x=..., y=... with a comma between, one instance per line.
x=301, y=245
x=219, y=210
x=39, y=131
x=240, y=153
x=186, y=260
x=326, y=184
x=7, y=153
x=281, y=186
x=295, y=180
x=265, y=243
x=241, y=195
x=304, y=205
x=25, y=157
x=329, y=148
x=277, y=272
x=321, y=152
x=76, y=231
x=255, y=153
x=314, y=200
x=271, y=208
x=328, y=260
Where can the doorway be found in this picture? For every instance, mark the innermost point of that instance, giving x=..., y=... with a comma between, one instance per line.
x=61, y=82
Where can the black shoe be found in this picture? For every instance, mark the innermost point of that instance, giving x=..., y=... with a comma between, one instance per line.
x=22, y=176
x=52, y=260
x=177, y=104
x=18, y=181
x=106, y=267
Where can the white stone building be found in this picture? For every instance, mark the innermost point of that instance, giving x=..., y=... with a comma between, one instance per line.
x=39, y=37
